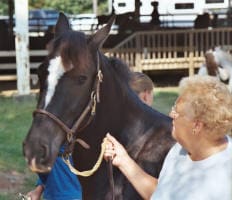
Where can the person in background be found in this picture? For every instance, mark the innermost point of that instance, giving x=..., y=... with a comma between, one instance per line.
x=202, y=20
x=199, y=165
x=155, y=21
x=143, y=86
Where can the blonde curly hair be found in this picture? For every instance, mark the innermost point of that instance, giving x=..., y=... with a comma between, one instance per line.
x=210, y=101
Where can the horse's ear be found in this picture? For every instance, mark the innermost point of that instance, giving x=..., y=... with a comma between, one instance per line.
x=101, y=35
x=62, y=25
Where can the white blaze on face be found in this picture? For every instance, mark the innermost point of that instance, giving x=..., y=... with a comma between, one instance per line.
x=55, y=71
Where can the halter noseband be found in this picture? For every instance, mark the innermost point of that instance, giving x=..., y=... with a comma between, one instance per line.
x=94, y=98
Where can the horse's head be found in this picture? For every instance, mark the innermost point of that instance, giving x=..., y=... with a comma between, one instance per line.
x=68, y=84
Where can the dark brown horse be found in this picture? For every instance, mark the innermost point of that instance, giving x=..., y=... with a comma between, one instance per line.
x=83, y=89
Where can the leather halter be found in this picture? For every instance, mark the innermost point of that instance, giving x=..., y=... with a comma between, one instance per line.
x=91, y=106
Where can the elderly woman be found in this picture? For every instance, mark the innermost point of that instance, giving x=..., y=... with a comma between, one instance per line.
x=199, y=166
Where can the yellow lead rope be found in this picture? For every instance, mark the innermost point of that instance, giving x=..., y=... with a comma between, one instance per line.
x=95, y=167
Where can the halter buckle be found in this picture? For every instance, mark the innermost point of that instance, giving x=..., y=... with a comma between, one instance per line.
x=70, y=136
x=93, y=111
x=100, y=75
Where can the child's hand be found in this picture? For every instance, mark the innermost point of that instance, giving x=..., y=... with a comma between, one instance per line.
x=36, y=193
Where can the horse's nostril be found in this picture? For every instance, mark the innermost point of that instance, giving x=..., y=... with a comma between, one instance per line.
x=26, y=150
x=43, y=153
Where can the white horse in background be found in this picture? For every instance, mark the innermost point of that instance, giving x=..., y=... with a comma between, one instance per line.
x=218, y=63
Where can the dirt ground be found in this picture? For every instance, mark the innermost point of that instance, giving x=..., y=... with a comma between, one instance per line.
x=11, y=182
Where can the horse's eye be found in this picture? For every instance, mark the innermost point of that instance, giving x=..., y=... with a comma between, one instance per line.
x=81, y=79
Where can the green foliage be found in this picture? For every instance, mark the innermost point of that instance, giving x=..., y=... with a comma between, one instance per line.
x=3, y=7
x=103, y=7
x=36, y=3
x=66, y=6
x=70, y=6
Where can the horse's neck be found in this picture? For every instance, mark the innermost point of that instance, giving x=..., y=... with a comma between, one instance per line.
x=119, y=110
x=122, y=113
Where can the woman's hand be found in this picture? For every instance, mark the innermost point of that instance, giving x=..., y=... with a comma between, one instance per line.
x=120, y=158
x=115, y=151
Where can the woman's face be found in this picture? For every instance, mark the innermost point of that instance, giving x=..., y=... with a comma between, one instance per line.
x=183, y=123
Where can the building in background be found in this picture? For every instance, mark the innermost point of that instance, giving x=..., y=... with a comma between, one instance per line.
x=176, y=12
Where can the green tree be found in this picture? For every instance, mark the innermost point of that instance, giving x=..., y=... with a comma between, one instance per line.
x=102, y=7
x=70, y=6
x=67, y=6
x=3, y=7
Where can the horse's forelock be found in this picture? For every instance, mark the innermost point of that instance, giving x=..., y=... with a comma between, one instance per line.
x=74, y=51
x=72, y=47
x=65, y=53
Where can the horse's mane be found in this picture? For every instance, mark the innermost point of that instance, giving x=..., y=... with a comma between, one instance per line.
x=121, y=69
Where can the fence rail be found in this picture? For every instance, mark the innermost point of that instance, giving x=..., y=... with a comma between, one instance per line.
x=8, y=62
x=149, y=50
x=173, y=49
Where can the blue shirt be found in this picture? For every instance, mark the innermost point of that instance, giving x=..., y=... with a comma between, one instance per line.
x=60, y=183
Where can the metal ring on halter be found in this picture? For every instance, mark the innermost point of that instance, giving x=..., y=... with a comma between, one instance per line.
x=70, y=136
x=93, y=111
x=92, y=94
x=100, y=75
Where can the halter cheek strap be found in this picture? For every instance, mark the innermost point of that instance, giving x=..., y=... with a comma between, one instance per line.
x=71, y=131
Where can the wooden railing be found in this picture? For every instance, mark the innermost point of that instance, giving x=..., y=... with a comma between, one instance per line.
x=170, y=49
x=8, y=63
x=149, y=50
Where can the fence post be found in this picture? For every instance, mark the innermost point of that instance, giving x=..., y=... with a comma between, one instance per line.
x=138, y=50
x=191, y=54
x=21, y=46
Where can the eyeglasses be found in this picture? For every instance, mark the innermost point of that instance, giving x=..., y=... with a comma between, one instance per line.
x=174, y=114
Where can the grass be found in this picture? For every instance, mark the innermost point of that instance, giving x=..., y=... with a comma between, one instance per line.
x=164, y=100
x=15, y=120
